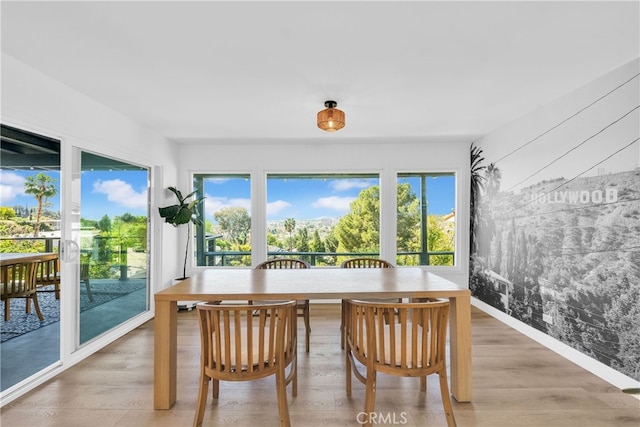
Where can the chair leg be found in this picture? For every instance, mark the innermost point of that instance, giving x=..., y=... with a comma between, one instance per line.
x=294, y=380
x=446, y=399
x=88, y=287
x=342, y=319
x=216, y=388
x=307, y=325
x=370, y=396
x=202, y=400
x=36, y=305
x=7, y=307
x=423, y=383
x=281, y=390
x=348, y=373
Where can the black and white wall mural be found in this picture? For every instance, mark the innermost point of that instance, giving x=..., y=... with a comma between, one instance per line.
x=555, y=220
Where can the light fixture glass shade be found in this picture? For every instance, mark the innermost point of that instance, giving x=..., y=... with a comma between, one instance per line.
x=331, y=119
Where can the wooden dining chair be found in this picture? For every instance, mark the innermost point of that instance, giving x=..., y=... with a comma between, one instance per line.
x=19, y=281
x=246, y=342
x=362, y=262
x=48, y=273
x=366, y=263
x=411, y=344
x=303, y=307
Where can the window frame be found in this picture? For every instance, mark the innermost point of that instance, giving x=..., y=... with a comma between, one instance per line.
x=424, y=254
x=198, y=251
x=377, y=175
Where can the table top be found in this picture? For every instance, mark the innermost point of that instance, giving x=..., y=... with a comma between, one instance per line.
x=313, y=283
x=9, y=258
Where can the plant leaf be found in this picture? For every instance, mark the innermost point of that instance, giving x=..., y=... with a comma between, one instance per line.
x=183, y=216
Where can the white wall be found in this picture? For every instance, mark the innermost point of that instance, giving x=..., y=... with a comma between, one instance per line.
x=334, y=155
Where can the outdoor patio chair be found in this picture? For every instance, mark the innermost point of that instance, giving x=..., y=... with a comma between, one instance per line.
x=19, y=281
x=48, y=273
x=85, y=263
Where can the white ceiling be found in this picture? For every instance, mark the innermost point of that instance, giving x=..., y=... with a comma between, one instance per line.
x=212, y=70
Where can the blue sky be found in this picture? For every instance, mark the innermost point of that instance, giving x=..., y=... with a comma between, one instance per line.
x=103, y=192
x=118, y=192
x=315, y=198
x=12, y=189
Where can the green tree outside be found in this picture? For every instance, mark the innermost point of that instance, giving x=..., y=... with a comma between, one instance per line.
x=7, y=213
x=235, y=224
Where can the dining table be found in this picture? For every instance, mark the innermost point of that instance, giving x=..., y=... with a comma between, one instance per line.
x=318, y=283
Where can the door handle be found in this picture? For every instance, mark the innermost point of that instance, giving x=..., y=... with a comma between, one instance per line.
x=69, y=251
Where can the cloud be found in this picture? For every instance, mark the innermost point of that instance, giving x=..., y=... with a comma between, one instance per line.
x=277, y=207
x=214, y=204
x=121, y=193
x=348, y=184
x=12, y=185
x=335, y=203
x=217, y=181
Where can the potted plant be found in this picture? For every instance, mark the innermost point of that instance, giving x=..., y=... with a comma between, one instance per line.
x=182, y=213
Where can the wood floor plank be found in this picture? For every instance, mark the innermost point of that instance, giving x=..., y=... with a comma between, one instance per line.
x=516, y=382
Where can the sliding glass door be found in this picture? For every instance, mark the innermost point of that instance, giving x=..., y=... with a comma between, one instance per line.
x=30, y=225
x=112, y=236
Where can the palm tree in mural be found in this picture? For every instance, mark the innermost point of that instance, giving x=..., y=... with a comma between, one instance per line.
x=487, y=226
x=481, y=231
x=477, y=184
x=42, y=187
x=493, y=177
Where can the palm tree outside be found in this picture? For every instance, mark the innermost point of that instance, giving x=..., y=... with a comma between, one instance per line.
x=42, y=187
x=289, y=226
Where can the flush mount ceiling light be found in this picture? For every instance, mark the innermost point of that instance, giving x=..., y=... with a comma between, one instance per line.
x=331, y=119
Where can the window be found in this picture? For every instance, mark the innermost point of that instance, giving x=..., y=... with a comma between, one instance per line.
x=426, y=219
x=224, y=238
x=323, y=219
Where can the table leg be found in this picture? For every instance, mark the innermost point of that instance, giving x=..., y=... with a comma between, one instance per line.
x=165, y=354
x=460, y=348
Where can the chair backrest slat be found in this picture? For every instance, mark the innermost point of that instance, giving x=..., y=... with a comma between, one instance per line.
x=366, y=263
x=19, y=279
x=48, y=269
x=405, y=336
x=406, y=339
x=284, y=263
x=247, y=340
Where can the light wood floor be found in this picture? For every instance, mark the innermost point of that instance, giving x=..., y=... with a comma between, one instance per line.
x=516, y=382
